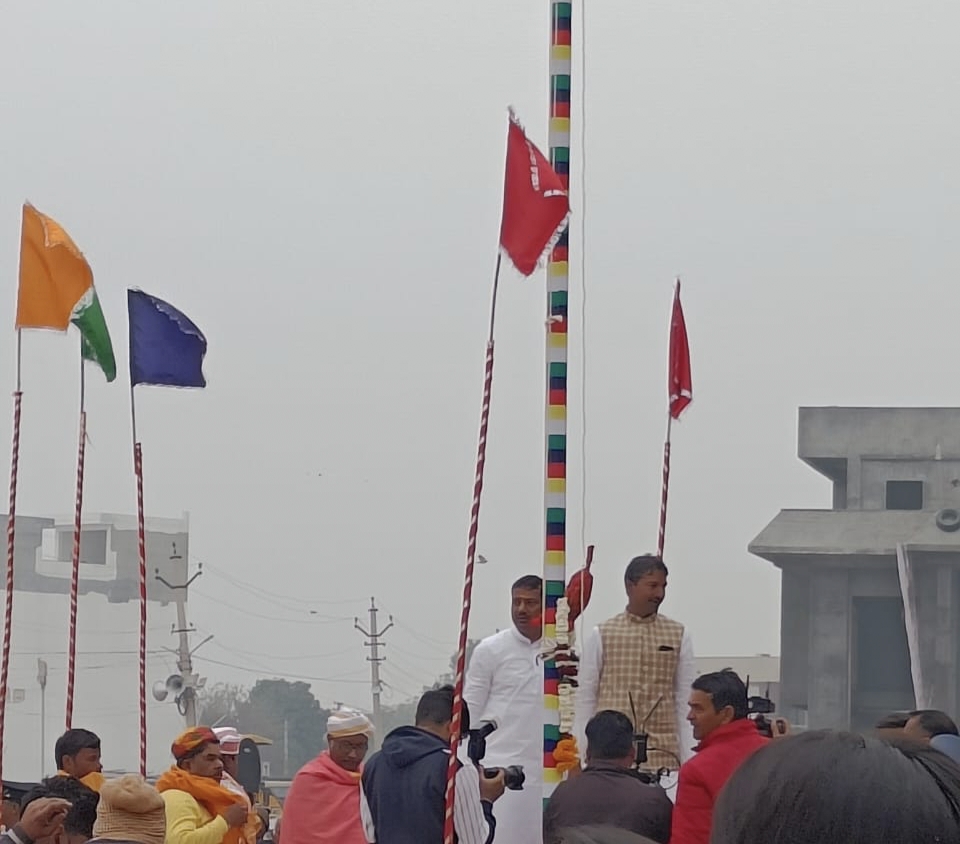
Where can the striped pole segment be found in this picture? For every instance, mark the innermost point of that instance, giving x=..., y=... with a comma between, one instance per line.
x=75, y=571
x=11, y=544
x=142, y=549
x=555, y=482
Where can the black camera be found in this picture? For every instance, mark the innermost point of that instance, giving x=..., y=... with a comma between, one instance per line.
x=513, y=776
x=758, y=708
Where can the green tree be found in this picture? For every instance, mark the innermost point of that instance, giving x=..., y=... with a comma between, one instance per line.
x=269, y=709
x=285, y=712
x=220, y=704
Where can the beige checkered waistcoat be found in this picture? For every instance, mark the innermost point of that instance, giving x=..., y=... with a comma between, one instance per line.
x=640, y=658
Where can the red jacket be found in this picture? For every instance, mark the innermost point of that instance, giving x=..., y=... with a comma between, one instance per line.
x=718, y=756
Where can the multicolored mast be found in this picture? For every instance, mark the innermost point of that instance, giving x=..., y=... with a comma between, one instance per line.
x=555, y=490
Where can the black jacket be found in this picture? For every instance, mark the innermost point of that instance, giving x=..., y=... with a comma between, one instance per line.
x=405, y=783
x=608, y=795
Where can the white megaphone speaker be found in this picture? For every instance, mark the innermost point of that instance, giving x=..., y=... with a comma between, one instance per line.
x=173, y=685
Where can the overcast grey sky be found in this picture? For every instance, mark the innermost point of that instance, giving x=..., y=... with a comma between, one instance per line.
x=317, y=184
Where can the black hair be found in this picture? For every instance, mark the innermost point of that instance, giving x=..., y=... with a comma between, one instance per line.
x=725, y=689
x=82, y=814
x=72, y=742
x=934, y=722
x=601, y=835
x=529, y=581
x=435, y=708
x=609, y=736
x=893, y=721
x=840, y=788
x=643, y=565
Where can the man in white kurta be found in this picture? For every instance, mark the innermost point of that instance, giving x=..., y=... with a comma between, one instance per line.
x=504, y=683
x=645, y=656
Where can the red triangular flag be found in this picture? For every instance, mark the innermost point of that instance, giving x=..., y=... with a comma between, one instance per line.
x=680, y=385
x=535, y=202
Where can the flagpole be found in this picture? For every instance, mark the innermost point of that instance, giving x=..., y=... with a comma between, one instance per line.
x=448, y=827
x=77, y=524
x=661, y=535
x=142, y=550
x=11, y=537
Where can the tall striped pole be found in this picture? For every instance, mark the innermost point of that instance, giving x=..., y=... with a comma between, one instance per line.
x=555, y=482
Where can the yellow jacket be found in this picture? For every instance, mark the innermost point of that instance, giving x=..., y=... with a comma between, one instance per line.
x=189, y=823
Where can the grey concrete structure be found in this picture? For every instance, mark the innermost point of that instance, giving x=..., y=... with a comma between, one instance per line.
x=109, y=556
x=896, y=480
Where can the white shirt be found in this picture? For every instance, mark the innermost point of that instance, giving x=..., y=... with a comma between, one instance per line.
x=505, y=684
x=468, y=819
x=591, y=663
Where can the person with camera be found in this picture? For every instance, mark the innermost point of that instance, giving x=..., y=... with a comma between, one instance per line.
x=404, y=783
x=504, y=686
x=718, y=712
x=609, y=791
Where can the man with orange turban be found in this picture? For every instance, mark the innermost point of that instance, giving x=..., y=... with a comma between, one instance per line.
x=199, y=809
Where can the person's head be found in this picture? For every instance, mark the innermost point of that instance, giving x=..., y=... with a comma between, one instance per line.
x=526, y=600
x=435, y=712
x=130, y=810
x=891, y=726
x=716, y=699
x=229, y=740
x=646, y=583
x=839, y=788
x=197, y=752
x=77, y=753
x=348, y=738
x=923, y=724
x=610, y=738
x=78, y=824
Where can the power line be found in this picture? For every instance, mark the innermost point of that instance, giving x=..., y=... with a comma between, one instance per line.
x=284, y=675
x=316, y=621
x=256, y=590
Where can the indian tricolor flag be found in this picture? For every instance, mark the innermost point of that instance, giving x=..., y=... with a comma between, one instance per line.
x=56, y=288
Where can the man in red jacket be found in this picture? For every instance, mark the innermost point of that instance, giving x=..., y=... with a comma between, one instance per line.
x=718, y=713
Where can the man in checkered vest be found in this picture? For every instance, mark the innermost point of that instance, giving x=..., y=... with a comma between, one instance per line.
x=643, y=656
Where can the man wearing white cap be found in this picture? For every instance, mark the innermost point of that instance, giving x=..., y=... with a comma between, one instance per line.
x=230, y=753
x=323, y=804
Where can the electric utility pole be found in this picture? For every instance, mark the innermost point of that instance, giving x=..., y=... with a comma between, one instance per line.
x=187, y=696
x=374, y=642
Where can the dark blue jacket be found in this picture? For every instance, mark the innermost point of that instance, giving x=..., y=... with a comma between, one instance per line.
x=405, y=783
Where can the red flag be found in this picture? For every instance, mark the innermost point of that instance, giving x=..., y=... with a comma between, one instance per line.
x=680, y=385
x=535, y=202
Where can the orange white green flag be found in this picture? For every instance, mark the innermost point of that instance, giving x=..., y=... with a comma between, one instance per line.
x=56, y=288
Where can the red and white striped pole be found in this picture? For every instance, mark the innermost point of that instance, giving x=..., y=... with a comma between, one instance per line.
x=142, y=547
x=448, y=827
x=75, y=570
x=661, y=536
x=11, y=543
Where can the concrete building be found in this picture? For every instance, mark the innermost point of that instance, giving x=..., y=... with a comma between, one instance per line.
x=109, y=557
x=762, y=670
x=861, y=636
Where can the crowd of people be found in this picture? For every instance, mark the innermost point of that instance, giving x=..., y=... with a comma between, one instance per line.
x=669, y=757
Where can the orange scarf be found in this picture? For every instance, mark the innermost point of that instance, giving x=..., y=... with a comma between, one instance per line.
x=93, y=780
x=213, y=797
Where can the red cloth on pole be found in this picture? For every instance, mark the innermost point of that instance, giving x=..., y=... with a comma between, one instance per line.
x=535, y=202
x=680, y=385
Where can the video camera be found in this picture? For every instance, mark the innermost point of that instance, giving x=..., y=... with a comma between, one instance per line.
x=513, y=776
x=758, y=707
x=640, y=741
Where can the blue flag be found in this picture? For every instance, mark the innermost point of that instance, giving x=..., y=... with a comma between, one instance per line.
x=166, y=348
